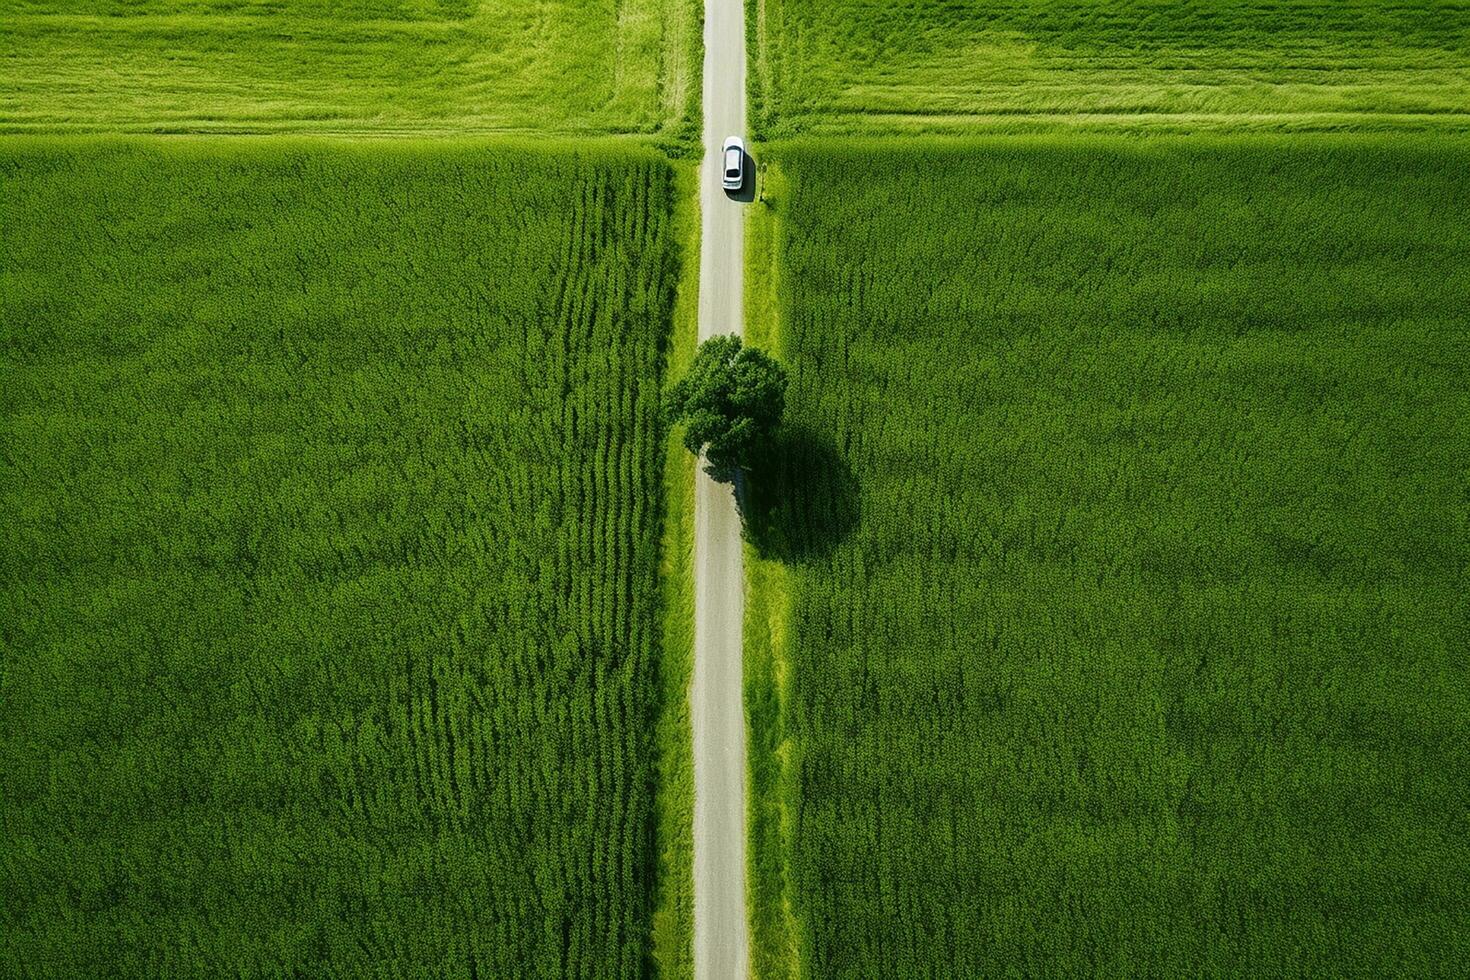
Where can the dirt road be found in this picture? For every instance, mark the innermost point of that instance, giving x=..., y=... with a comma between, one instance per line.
x=721, y=950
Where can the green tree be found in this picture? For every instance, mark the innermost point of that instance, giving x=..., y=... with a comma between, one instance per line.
x=729, y=403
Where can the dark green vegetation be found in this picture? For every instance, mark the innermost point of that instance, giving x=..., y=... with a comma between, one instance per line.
x=330, y=619
x=379, y=66
x=1125, y=567
x=673, y=919
x=857, y=66
x=729, y=403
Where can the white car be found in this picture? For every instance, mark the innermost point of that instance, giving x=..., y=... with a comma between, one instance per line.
x=733, y=172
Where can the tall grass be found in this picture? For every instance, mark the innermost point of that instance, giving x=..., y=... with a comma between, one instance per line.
x=673, y=921
x=855, y=66
x=329, y=574
x=382, y=67
x=1125, y=559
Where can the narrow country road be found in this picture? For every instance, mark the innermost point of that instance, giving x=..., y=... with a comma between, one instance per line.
x=721, y=949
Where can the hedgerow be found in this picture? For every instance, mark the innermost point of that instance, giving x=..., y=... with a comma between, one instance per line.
x=1121, y=534
x=332, y=492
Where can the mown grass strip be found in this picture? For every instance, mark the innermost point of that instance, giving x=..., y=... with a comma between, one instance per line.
x=373, y=67
x=856, y=67
x=674, y=914
x=774, y=943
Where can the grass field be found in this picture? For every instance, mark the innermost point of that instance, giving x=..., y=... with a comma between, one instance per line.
x=673, y=919
x=366, y=66
x=329, y=579
x=858, y=66
x=1112, y=606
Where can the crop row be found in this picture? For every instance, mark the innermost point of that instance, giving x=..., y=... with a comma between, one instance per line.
x=1123, y=523
x=332, y=483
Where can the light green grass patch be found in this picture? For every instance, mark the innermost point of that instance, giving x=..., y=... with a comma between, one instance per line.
x=674, y=915
x=856, y=66
x=371, y=67
x=770, y=764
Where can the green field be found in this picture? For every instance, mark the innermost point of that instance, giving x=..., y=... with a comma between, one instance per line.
x=365, y=66
x=859, y=66
x=1112, y=609
x=673, y=919
x=331, y=620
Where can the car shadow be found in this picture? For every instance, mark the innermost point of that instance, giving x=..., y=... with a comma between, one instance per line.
x=746, y=193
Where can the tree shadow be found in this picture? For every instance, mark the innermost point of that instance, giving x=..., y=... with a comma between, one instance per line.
x=800, y=499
